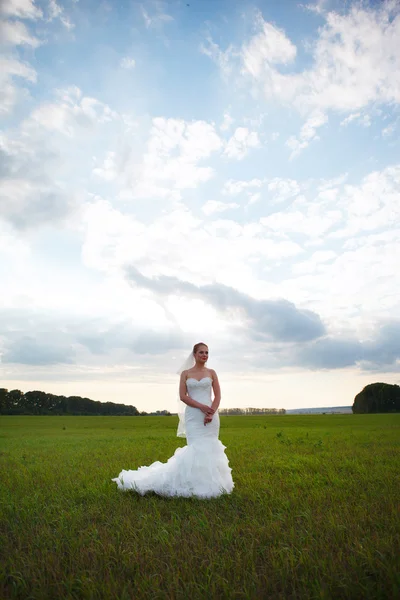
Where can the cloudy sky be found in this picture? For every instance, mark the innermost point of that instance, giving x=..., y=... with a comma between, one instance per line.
x=217, y=170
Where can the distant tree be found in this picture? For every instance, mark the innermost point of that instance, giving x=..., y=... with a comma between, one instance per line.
x=15, y=402
x=37, y=403
x=378, y=398
x=3, y=400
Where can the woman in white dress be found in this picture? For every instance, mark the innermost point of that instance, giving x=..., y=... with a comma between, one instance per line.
x=201, y=468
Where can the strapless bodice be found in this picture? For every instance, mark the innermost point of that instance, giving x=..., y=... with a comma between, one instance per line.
x=200, y=389
x=207, y=379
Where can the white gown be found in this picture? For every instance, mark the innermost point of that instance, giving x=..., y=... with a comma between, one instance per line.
x=200, y=469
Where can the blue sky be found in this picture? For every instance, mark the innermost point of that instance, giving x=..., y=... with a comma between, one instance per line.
x=207, y=170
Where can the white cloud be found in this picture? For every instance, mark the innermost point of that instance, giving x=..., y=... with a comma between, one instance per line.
x=26, y=203
x=66, y=21
x=15, y=33
x=30, y=191
x=389, y=130
x=25, y=9
x=173, y=160
x=327, y=184
x=9, y=69
x=71, y=113
x=13, y=248
x=253, y=198
x=279, y=188
x=357, y=226
x=373, y=204
x=308, y=133
x=233, y=187
x=157, y=18
x=108, y=170
x=268, y=47
x=282, y=189
x=213, y=206
x=338, y=210
x=240, y=143
x=350, y=118
x=227, y=122
x=178, y=244
x=38, y=168
x=318, y=7
x=366, y=269
x=222, y=58
x=127, y=62
x=356, y=60
x=55, y=11
x=312, y=222
x=313, y=264
x=355, y=64
x=362, y=119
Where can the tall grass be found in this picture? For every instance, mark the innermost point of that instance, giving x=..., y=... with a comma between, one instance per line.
x=314, y=513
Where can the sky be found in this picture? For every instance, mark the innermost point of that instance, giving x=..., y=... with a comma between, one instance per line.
x=205, y=170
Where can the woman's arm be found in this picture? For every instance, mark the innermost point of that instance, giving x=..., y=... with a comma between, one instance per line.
x=184, y=396
x=217, y=391
x=217, y=397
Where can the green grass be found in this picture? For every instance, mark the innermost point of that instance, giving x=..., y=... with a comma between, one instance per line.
x=314, y=513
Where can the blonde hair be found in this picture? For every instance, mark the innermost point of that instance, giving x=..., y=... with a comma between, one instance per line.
x=197, y=346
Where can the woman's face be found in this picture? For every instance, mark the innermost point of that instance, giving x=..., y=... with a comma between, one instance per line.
x=202, y=354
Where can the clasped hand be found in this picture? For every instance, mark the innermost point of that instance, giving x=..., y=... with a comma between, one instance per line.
x=208, y=413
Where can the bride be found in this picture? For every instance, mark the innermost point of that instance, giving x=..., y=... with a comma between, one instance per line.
x=201, y=468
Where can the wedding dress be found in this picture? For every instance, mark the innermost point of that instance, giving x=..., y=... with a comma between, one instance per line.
x=200, y=469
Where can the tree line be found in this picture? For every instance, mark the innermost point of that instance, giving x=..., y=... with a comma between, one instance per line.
x=374, y=398
x=252, y=411
x=15, y=402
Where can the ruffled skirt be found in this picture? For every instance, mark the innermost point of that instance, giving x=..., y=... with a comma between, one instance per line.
x=200, y=469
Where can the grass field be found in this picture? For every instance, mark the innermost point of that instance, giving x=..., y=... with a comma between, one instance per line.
x=314, y=512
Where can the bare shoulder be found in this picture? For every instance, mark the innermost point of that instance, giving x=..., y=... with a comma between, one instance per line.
x=213, y=373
